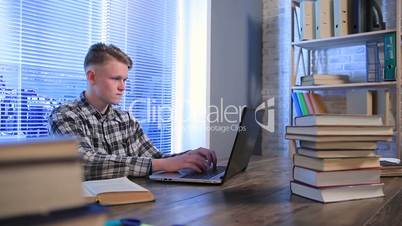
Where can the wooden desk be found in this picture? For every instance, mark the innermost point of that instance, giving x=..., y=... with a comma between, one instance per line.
x=259, y=196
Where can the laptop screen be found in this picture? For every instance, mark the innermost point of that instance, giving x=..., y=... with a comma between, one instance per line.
x=244, y=143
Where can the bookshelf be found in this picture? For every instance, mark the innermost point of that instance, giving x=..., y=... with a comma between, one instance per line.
x=342, y=41
x=303, y=53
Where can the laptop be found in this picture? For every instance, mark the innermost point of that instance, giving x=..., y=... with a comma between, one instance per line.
x=243, y=147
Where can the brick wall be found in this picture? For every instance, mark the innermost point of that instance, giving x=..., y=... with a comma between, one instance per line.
x=276, y=70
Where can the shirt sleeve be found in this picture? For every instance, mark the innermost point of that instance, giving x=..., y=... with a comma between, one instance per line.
x=139, y=142
x=100, y=165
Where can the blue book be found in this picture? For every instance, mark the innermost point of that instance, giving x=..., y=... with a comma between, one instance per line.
x=296, y=104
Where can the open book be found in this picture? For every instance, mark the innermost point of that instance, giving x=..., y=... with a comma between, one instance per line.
x=116, y=191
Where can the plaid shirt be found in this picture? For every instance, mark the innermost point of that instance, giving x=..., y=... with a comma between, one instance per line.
x=111, y=145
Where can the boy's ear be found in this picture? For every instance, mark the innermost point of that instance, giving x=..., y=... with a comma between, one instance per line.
x=91, y=76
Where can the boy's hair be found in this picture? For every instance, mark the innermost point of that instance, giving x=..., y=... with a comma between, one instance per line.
x=99, y=53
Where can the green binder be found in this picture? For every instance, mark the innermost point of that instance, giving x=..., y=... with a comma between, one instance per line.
x=389, y=56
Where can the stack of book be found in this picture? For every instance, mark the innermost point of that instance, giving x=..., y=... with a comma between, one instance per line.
x=336, y=158
x=41, y=184
x=321, y=79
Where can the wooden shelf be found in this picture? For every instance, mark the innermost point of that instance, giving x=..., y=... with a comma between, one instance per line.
x=343, y=41
x=348, y=86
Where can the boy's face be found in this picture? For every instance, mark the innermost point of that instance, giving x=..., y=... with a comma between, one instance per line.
x=109, y=81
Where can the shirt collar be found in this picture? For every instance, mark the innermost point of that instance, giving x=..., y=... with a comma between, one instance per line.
x=110, y=112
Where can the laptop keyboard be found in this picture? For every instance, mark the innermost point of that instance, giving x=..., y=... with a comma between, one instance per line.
x=207, y=174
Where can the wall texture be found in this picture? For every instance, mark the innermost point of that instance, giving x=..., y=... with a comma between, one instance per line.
x=235, y=61
x=276, y=38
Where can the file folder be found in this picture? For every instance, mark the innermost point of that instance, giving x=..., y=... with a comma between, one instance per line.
x=359, y=12
x=324, y=18
x=307, y=20
x=389, y=56
x=342, y=17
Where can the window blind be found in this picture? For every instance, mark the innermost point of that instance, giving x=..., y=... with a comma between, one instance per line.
x=147, y=32
x=43, y=47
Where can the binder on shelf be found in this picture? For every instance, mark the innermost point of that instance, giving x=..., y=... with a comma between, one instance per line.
x=373, y=66
x=324, y=18
x=389, y=56
x=307, y=19
x=359, y=16
x=342, y=17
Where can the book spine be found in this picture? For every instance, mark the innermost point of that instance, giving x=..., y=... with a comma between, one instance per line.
x=308, y=103
x=318, y=104
x=296, y=104
x=302, y=103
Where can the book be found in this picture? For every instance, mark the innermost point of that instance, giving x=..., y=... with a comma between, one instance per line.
x=340, y=130
x=337, y=193
x=337, y=178
x=322, y=82
x=318, y=104
x=316, y=77
x=302, y=103
x=333, y=153
x=37, y=149
x=326, y=138
x=390, y=167
x=308, y=103
x=296, y=104
x=323, y=79
x=338, y=120
x=39, y=176
x=339, y=145
x=116, y=191
x=330, y=164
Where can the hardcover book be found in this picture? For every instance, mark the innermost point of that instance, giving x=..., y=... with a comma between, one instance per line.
x=337, y=193
x=116, y=191
x=336, y=178
x=338, y=120
x=330, y=164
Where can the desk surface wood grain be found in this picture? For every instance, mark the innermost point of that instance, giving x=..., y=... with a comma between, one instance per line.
x=258, y=196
